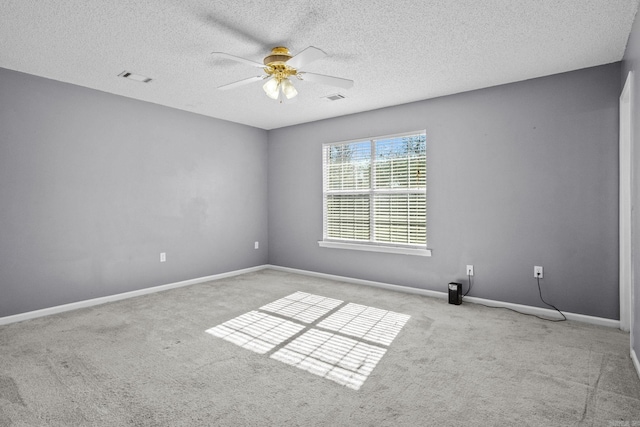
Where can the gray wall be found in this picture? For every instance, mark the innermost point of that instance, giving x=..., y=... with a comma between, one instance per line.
x=518, y=175
x=631, y=62
x=94, y=186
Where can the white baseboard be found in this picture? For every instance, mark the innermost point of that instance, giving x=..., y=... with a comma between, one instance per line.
x=636, y=363
x=424, y=292
x=552, y=314
x=117, y=297
x=527, y=309
x=406, y=289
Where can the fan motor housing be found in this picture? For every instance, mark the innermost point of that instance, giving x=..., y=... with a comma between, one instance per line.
x=278, y=54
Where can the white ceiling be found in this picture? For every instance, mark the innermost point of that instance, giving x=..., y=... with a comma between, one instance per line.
x=396, y=51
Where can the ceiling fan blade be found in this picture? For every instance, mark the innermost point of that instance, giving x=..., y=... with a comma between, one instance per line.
x=305, y=57
x=328, y=80
x=238, y=59
x=242, y=82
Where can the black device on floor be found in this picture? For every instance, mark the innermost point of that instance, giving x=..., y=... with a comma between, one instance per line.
x=455, y=293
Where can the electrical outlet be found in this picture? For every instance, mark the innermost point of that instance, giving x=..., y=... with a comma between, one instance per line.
x=163, y=256
x=256, y=245
x=537, y=272
x=469, y=270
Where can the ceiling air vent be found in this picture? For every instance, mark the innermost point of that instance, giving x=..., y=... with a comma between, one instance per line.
x=334, y=97
x=136, y=77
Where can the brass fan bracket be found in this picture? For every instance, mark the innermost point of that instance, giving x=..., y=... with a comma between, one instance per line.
x=280, y=71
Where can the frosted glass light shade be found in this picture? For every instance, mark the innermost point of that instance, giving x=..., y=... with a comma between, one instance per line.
x=288, y=89
x=271, y=88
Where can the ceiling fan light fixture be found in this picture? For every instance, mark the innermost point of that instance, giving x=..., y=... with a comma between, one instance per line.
x=288, y=89
x=272, y=88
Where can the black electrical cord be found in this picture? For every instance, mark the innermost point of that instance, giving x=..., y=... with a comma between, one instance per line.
x=519, y=312
x=469, y=288
x=550, y=305
x=526, y=314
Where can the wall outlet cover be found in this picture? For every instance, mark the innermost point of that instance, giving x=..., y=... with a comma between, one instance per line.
x=537, y=272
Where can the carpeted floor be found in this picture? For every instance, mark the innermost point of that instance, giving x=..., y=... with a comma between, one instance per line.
x=178, y=358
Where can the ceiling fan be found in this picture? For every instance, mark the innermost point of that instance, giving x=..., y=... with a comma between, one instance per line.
x=279, y=66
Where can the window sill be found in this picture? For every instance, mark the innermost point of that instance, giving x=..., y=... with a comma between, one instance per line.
x=375, y=248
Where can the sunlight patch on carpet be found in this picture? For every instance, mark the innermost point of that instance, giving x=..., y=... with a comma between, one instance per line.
x=256, y=331
x=341, y=344
x=340, y=359
x=302, y=306
x=369, y=323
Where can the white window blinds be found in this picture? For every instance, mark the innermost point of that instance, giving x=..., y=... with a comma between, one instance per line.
x=375, y=191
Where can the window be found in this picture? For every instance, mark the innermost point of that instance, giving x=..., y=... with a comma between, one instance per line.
x=375, y=194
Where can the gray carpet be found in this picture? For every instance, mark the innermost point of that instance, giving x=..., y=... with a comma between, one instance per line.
x=148, y=361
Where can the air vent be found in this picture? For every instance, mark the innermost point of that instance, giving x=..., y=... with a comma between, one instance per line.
x=334, y=97
x=136, y=77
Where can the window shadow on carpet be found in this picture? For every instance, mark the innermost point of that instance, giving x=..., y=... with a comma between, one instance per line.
x=340, y=342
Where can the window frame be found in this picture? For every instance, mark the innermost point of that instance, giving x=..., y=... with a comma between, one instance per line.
x=371, y=191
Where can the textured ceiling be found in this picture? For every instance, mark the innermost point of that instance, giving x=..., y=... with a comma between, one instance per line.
x=396, y=51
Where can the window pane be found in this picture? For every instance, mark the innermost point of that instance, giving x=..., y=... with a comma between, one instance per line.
x=390, y=170
x=347, y=217
x=400, y=218
x=401, y=162
x=347, y=166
